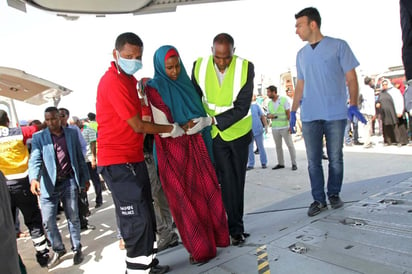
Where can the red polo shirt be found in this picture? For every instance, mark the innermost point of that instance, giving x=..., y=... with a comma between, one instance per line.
x=117, y=101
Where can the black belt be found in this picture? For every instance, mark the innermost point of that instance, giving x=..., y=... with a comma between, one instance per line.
x=64, y=178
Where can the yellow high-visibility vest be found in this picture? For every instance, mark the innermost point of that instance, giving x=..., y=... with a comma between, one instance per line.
x=219, y=98
x=14, y=155
x=282, y=119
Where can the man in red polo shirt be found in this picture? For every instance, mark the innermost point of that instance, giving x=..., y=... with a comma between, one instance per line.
x=120, y=155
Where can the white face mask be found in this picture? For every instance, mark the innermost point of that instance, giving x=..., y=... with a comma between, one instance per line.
x=129, y=66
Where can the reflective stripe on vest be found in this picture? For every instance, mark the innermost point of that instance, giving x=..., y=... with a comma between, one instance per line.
x=14, y=155
x=218, y=98
x=282, y=119
x=237, y=82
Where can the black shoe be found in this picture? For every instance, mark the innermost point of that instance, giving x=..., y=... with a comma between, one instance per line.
x=55, y=260
x=357, y=143
x=315, y=208
x=159, y=269
x=256, y=151
x=238, y=239
x=249, y=168
x=264, y=166
x=98, y=205
x=87, y=227
x=245, y=234
x=78, y=257
x=43, y=259
x=335, y=201
x=294, y=167
x=278, y=167
x=325, y=157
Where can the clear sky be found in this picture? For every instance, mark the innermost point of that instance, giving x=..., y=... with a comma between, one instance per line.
x=75, y=54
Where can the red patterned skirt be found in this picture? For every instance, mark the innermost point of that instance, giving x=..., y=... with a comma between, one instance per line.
x=194, y=195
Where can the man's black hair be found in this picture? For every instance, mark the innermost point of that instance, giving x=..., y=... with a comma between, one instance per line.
x=273, y=88
x=128, y=38
x=66, y=111
x=312, y=14
x=51, y=109
x=224, y=38
x=91, y=116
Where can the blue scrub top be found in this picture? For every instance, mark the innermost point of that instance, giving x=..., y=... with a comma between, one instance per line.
x=323, y=71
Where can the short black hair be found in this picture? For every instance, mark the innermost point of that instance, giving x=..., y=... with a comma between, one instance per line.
x=127, y=38
x=4, y=118
x=312, y=14
x=91, y=116
x=66, y=111
x=51, y=109
x=272, y=88
x=222, y=38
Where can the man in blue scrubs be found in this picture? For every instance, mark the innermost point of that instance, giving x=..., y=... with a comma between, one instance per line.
x=325, y=69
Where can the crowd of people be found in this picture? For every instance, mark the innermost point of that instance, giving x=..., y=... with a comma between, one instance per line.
x=176, y=141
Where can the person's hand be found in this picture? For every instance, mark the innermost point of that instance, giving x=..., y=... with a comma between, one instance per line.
x=35, y=187
x=94, y=164
x=200, y=123
x=177, y=131
x=292, y=122
x=353, y=111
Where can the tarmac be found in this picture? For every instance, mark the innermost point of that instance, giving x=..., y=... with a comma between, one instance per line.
x=283, y=238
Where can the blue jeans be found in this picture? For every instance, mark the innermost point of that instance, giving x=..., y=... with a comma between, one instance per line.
x=66, y=191
x=354, y=125
x=261, y=148
x=313, y=133
x=348, y=139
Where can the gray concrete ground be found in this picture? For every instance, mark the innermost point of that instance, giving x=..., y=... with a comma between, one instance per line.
x=266, y=189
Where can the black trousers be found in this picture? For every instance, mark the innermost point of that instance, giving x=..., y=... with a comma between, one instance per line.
x=22, y=198
x=131, y=192
x=84, y=212
x=231, y=160
x=96, y=183
x=402, y=131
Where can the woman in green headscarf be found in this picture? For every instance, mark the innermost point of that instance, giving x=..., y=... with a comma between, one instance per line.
x=184, y=163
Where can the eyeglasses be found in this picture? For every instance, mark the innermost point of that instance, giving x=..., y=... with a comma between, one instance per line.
x=62, y=115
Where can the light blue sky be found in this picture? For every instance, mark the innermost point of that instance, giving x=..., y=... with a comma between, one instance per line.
x=75, y=54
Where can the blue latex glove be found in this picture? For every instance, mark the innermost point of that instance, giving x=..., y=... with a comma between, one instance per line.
x=292, y=122
x=354, y=111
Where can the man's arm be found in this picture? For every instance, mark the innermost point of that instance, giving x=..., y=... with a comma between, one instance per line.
x=94, y=154
x=140, y=126
x=83, y=143
x=35, y=163
x=298, y=95
x=353, y=87
x=194, y=82
x=83, y=171
x=287, y=114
